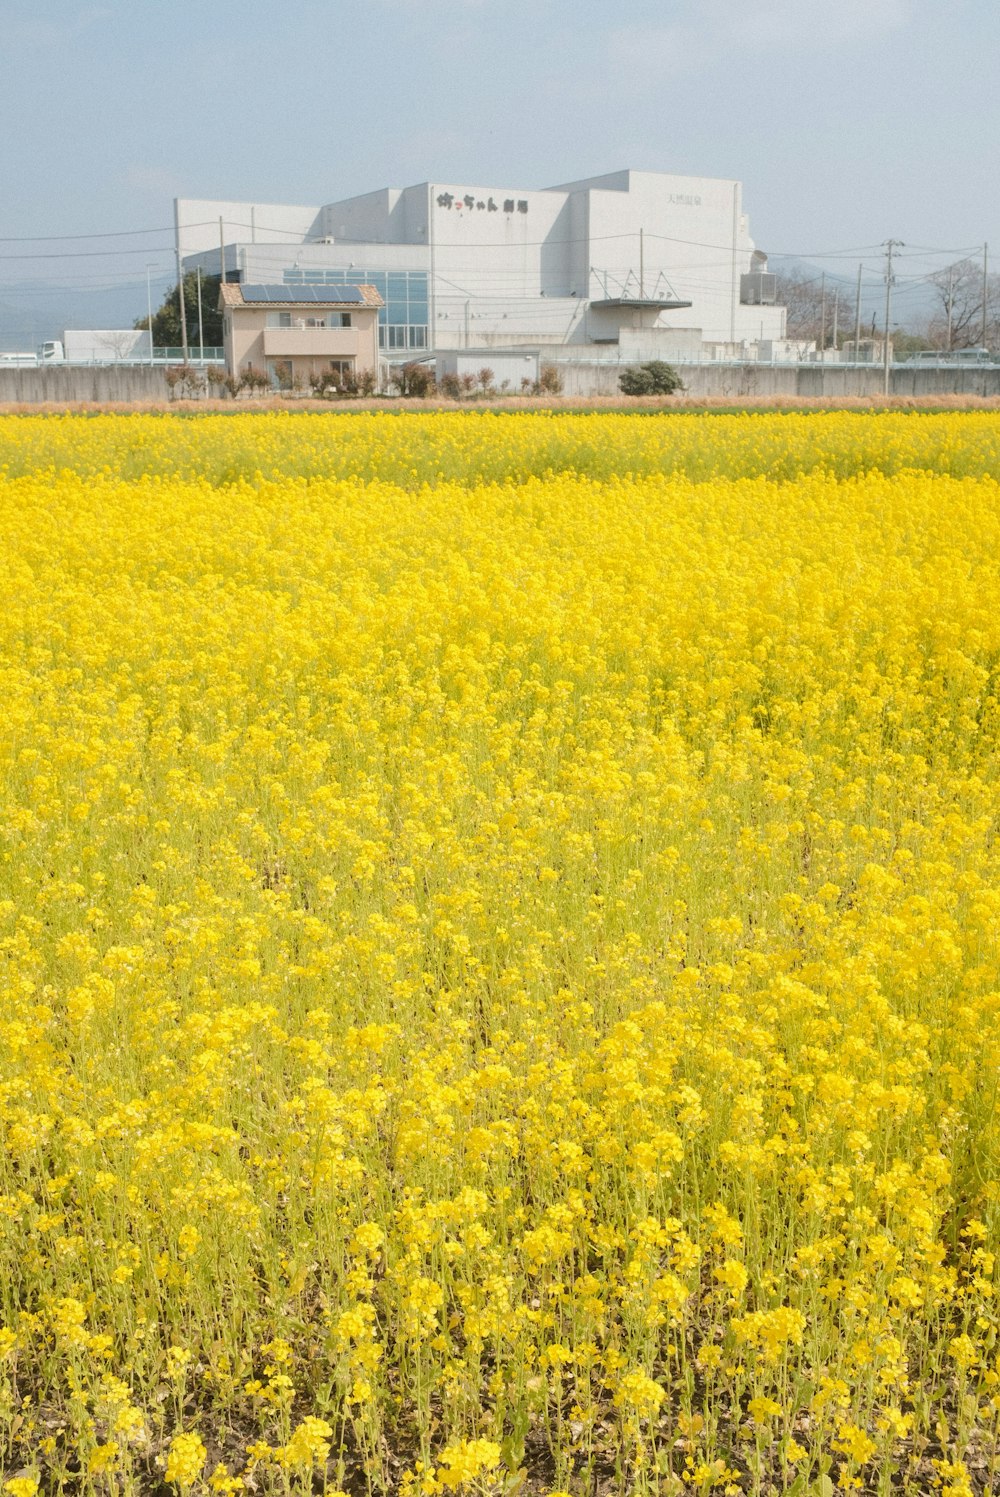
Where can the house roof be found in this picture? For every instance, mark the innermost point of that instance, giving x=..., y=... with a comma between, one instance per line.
x=231, y=295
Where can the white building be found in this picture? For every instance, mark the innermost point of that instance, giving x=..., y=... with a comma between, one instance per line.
x=627, y=266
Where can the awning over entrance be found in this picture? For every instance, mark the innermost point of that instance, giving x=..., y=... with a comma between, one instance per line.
x=640, y=303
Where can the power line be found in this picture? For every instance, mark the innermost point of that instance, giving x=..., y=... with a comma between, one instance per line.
x=298, y=237
x=632, y=234
x=63, y=288
x=918, y=249
x=106, y=234
x=156, y=249
x=64, y=238
x=306, y=244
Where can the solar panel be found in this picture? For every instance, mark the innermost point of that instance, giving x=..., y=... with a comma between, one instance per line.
x=266, y=293
x=260, y=293
x=337, y=293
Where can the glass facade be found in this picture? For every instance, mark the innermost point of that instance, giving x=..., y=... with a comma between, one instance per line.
x=403, y=320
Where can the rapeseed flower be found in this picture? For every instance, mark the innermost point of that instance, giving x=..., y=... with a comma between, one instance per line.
x=500, y=947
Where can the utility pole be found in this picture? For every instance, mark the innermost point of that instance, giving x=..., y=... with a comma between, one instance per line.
x=836, y=316
x=642, y=265
x=986, y=251
x=734, y=287
x=951, y=284
x=180, y=279
x=149, y=313
x=822, y=314
x=222, y=252
x=857, y=320
x=201, y=328
x=891, y=244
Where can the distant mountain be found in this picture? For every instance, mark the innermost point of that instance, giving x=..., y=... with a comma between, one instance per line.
x=29, y=315
x=914, y=300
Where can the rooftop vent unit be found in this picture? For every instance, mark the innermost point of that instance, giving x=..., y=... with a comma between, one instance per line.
x=759, y=288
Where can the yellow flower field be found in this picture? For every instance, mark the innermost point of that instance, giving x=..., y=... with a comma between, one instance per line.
x=499, y=967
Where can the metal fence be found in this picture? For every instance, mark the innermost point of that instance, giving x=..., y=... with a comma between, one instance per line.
x=176, y=356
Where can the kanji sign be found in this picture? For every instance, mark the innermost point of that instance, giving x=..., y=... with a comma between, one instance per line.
x=480, y=205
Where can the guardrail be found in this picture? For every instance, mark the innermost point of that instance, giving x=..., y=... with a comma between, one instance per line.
x=200, y=357
x=705, y=362
x=176, y=356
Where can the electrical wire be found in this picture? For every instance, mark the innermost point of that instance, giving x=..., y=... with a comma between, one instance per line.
x=687, y=280
x=56, y=289
x=156, y=249
x=842, y=252
x=105, y=234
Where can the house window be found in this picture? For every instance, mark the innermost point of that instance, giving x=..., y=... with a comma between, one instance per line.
x=279, y=319
x=279, y=372
x=345, y=319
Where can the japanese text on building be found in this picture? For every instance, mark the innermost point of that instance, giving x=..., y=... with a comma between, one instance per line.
x=481, y=205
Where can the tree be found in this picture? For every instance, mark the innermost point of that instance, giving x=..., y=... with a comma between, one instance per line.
x=802, y=296
x=412, y=379
x=959, y=290
x=654, y=378
x=905, y=345
x=167, y=321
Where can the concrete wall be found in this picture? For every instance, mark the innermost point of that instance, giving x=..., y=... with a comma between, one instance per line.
x=66, y=384
x=808, y=381
x=63, y=385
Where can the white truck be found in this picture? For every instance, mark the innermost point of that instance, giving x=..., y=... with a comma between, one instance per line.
x=109, y=345
x=100, y=345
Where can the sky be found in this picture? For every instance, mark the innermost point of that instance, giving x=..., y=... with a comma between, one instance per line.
x=848, y=121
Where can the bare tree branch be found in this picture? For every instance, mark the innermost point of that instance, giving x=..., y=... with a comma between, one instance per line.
x=961, y=285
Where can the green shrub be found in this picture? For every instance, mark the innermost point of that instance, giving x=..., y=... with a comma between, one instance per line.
x=654, y=378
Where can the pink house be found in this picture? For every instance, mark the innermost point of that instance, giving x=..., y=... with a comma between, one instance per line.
x=298, y=334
